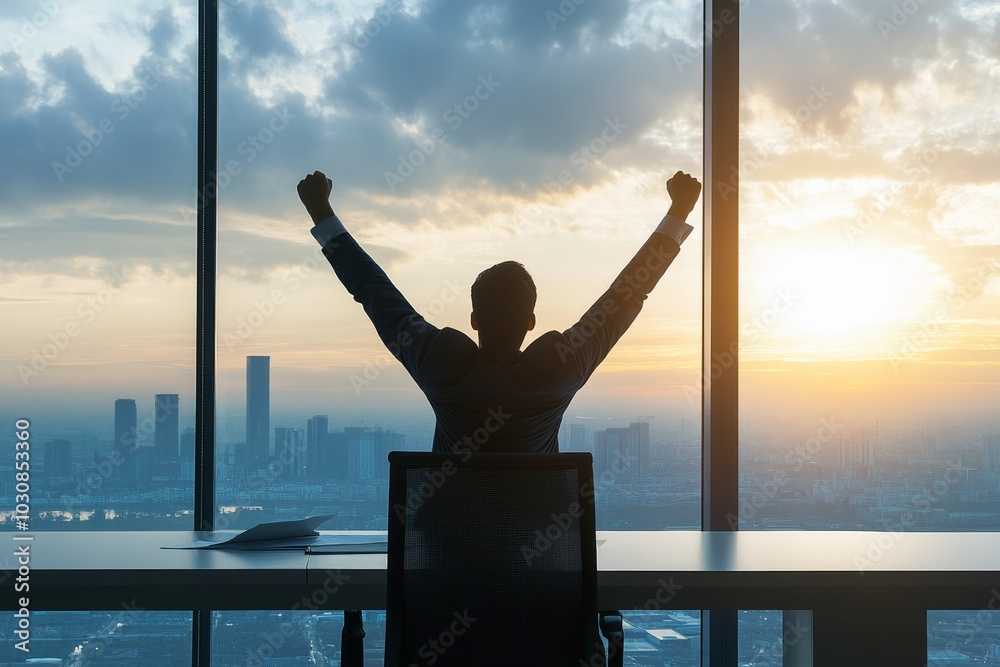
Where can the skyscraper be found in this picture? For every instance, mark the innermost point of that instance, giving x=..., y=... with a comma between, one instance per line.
x=258, y=411
x=58, y=459
x=622, y=451
x=289, y=450
x=165, y=434
x=126, y=425
x=317, y=432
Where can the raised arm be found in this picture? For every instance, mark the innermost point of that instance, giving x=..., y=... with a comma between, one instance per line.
x=590, y=340
x=403, y=331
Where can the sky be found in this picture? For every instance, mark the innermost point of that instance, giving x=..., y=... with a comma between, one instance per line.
x=870, y=238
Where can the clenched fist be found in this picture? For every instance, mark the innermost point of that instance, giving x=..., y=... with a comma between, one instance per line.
x=684, y=190
x=314, y=191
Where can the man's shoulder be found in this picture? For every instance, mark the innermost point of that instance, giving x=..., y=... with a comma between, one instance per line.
x=550, y=357
x=451, y=355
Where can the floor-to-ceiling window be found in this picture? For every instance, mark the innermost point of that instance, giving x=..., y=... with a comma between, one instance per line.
x=870, y=280
x=457, y=136
x=97, y=284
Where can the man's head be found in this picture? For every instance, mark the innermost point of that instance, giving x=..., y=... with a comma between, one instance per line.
x=503, y=305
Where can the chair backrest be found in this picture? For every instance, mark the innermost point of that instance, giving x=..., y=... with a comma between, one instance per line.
x=492, y=560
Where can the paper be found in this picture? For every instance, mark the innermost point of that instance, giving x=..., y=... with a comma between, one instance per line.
x=267, y=536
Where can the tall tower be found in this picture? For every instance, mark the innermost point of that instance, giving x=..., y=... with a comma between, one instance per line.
x=126, y=426
x=317, y=434
x=58, y=460
x=166, y=433
x=258, y=411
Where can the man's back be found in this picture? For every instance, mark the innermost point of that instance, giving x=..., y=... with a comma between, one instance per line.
x=505, y=402
x=497, y=398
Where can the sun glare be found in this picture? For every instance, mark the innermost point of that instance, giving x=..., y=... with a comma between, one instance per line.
x=833, y=293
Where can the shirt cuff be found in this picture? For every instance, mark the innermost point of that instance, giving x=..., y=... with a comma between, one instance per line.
x=324, y=231
x=675, y=228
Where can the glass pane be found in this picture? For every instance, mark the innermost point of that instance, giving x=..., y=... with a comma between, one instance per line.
x=97, y=263
x=655, y=638
x=760, y=638
x=456, y=138
x=282, y=638
x=964, y=636
x=870, y=279
x=110, y=638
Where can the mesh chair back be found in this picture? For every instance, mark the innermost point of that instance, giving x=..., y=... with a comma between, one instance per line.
x=492, y=560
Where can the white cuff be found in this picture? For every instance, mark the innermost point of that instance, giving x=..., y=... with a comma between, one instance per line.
x=675, y=228
x=328, y=229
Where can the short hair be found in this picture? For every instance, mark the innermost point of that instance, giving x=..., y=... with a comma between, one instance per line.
x=503, y=298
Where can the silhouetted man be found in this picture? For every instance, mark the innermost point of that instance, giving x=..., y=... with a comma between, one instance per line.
x=494, y=397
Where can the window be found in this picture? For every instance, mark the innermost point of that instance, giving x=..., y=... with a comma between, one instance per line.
x=97, y=262
x=456, y=138
x=870, y=282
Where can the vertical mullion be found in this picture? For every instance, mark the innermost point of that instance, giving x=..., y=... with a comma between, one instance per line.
x=208, y=140
x=720, y=341
x=207, y=234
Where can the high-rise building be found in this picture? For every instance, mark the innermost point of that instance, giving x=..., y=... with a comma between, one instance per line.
x=58, y=459
x=187, y=445
x=166, y=430
x=289, y=452
x=258, y=411
x=857, y=449
x=359, y=444
x=622, y=452
x=126, y=425
x=317, y=431
x=385, y=441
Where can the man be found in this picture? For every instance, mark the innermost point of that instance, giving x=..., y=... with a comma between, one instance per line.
x=494, y=397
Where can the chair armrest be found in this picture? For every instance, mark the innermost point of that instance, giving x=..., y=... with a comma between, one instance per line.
x=611, y=628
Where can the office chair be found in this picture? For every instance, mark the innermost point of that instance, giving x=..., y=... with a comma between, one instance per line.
x=492, y=562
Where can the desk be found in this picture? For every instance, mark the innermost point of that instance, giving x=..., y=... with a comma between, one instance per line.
x=862, y=586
